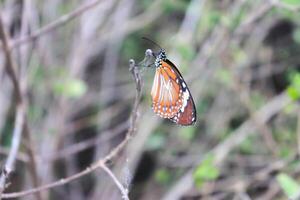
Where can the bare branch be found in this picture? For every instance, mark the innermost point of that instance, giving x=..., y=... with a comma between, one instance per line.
x=55, y=24
x=20, y=123
x=17, y=135
x=112, y=154
x=20, y=112
x=123, y=190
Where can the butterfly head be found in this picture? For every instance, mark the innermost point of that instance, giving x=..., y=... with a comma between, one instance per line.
x=161, y=56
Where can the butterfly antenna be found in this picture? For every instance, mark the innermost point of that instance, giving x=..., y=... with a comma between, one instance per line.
x=152, y=42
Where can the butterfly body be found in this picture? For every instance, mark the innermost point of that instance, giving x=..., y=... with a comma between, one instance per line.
x=171, y=97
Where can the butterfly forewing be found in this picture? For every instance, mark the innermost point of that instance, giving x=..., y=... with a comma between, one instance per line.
x=171, y=96
x=166, y=94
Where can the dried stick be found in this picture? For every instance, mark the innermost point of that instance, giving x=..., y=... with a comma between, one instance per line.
x=263, y=128
x=55, y=24
x=16, y=140
x=81, y=146
x=112, y=154
x=123, y=190
x=298, y=130
x=21, y=123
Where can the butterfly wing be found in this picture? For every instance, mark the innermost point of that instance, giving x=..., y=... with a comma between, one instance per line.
x=171, y=96
x=166, y=94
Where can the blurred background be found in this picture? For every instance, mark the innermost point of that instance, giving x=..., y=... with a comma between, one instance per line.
x=240, y=59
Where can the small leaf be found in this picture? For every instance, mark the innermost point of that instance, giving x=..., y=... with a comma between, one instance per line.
x=206, y=171
x=72, y=88
x=246, y=146
x=289, y=186
x=293, y=93
x=186, y=51
x=293, y=90
x=162, y=176
x=224, y=76
x=291, y=2
x=156, y=141
x=187, y=133
x=296, y=35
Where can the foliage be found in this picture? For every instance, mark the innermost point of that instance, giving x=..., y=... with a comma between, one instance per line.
x=206, y=171
x=294, y=89
x=72, y=88
x=289, y=185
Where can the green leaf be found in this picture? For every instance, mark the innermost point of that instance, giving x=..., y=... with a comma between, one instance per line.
x=156, y=141
x=296, y=35
x=72, y=88
x=162, y=176
x=257, y=99
x=246, y=146
x=170, y=6
x=293, y=90
x=186, y=51
x=206, y=171
x=291, y=2
x=293, y=93
x=289, y=186
x=290, y=109
x=224, y=76
x=285, y=152
x=187, y=133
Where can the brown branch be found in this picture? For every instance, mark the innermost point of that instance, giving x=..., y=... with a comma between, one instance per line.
x=55, y=24
x=123, y=190
x=16, y=140
x=134, y=24
x=81, y=146
x=21, y=124
x=10, y=64
x=20, y=112
x=112, y=154
x=263, y=128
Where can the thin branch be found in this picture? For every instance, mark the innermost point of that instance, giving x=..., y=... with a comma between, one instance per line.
x=152, y=13
x=81, y=146
x=123, y=190
x=112, y=154
x=258, y=14
x=55, y=24
x=21, y=110
x=16, y=140
x=262, y=127
x=298, y=130
x=10, y=64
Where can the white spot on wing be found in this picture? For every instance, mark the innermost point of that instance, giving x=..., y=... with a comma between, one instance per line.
x=186, y=97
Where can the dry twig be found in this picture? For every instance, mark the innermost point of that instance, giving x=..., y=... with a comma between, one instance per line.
x=112, y=154
x=55, y=24
x=21, y=124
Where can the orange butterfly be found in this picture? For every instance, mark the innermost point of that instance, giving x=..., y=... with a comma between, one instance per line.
x=171, y=98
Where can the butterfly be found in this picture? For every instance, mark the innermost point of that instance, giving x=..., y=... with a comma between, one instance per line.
x=171, y=97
